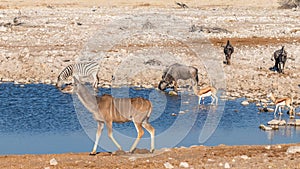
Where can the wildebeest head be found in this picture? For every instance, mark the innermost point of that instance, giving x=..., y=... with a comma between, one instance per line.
x=163, y=85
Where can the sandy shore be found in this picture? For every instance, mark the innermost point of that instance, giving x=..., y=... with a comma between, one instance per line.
x=46, y=37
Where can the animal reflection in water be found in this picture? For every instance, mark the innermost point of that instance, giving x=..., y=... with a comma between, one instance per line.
x=107, y=109
x=175, y=72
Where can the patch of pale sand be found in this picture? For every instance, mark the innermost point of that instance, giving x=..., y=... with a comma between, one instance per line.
x=137, y=3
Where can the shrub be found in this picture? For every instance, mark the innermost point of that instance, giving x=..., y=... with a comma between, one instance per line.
x=288, y=4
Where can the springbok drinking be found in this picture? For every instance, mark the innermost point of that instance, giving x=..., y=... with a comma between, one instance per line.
x=205, y=92
x=107, y=109
x=282, y=102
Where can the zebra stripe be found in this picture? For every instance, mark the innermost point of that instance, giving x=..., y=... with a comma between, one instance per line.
x=82, y=69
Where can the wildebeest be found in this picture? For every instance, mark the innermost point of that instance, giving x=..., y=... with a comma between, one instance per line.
x=228, y=50
x=178, y=71
x=280, y=57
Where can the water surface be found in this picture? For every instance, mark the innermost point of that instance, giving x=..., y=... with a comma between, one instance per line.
x=38, y=119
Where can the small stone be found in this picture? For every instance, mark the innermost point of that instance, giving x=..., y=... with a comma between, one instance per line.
x=184, y=165
x=293, y=149
x=273, y=122
x=245, y=157
x=264, y=100
x=226, y=165
x=47, y=167
x=268, y=147
x=172, y=93
x=210, y=160
x=181, y=112
x=245, y=103
x=53, y=162
x=132, y=158
x=168, y=165
x=263, y=127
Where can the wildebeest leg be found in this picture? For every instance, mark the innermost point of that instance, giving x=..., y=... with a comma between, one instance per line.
x=175, y=86
x=228, y=57
x=140, y=133
x=276, y=67
x=151, y=130
x=110, y=135
x=98, y=134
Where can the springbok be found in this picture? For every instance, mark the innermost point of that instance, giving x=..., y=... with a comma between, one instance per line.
x=282, y=102
x=205, y=92
x=107, y=109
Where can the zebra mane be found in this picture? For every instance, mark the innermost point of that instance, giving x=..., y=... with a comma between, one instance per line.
x=65, y=71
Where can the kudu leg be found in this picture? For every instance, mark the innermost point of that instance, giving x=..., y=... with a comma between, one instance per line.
x=110, y=135
x=151, y=130
x=140, y=133
x=98, y=134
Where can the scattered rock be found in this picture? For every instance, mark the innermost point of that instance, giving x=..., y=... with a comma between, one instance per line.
x=173, y=93
x=184, y=165
x=181, y=112
x=265, y=109
x=226, y=165
x=263, y=127
x=268, y=147
x=153, y=62
x=245, y=157
x=53, y=162
x=119, y=152
x=277, y=122
x=295, y=122
x=293, y=150
x=168, y=165
x=132, y=158
x=264, y=100
x=245, y=103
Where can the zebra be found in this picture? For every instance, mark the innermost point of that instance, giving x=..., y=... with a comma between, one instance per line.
x=81, y=69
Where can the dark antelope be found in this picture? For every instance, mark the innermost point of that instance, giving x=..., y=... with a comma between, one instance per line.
x=107, y=109
x=178, y=71
x=228, y=50
x=280, y=57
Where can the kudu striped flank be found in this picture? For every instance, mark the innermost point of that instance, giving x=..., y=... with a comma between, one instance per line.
x=107, y=109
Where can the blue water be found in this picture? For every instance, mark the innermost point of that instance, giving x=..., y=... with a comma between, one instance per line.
x=38, y=119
